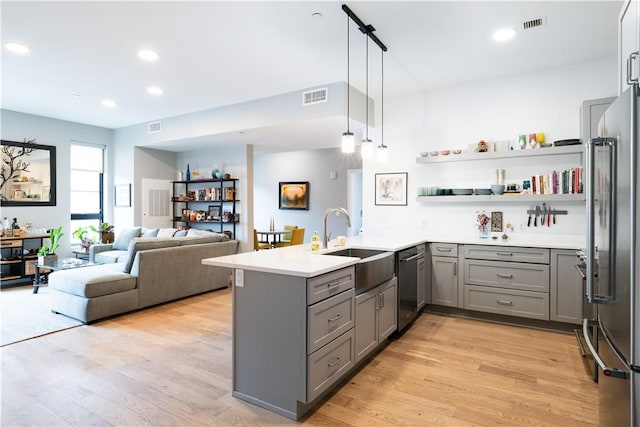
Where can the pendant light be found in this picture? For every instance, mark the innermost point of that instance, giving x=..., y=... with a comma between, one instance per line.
x=382, y=155
x=366, y=150
x=348, y=142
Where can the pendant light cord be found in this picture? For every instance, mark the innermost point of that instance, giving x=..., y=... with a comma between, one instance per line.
x=382, y=101
x=348, y=84
x=367, y=92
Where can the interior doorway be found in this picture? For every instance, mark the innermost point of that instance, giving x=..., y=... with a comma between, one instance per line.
x=354, y=202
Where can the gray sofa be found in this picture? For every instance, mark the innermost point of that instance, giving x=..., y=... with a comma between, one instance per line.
x=154, y=270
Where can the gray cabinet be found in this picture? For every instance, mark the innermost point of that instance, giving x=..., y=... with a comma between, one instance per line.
x=629, y=41
x=422, y=277
x=507, y=280
x=566, y=287
x=375, y=317
x=293, y=338
x=444, y=281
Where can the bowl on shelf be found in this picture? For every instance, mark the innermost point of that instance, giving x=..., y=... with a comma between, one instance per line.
x=482, y=191
x=497, y=189
x=424, y=154
x=462, y=191
x=433, y=153
x=457, y=151
x=445, y=152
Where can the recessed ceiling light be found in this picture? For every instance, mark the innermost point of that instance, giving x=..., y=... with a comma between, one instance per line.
x=75, y=95
x=503, y=34
x=148, y=55
x=109, y=103
x=17, y=48
x=316, y=15
x=154, y=90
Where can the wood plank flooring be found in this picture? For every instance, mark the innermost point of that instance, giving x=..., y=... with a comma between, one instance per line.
x=171, y=365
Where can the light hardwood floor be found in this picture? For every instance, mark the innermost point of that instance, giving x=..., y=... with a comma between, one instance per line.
x=171, y=365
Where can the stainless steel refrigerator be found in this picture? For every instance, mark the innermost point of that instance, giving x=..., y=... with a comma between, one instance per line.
x=613, y=259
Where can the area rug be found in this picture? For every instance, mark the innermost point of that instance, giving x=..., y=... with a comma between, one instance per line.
x=27, y=315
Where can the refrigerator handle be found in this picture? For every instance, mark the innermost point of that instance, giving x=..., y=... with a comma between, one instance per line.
x=613, y=216
x=606, y=370
x=591, y=273
x=634, y=363
x=630, y=59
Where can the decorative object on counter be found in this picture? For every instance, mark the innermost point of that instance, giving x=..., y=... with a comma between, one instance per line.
x=216, y=173
x=227, y=176
x=445, y=152
x=482, y=221
x=496, y=221
x=512, y=188
x=294, y=195
x=540, y=138
x=341, y=240
x=272, y=224
x=533, y=143
x=391, y=189
x=424, y=154
x=499, y=176
x=483, y=147
x=86, y=235
x=315, y=241
x=433, y=153
x=180, y=175
x=457, y=151
x=188, y=172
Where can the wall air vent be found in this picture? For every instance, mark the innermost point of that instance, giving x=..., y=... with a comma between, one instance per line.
x=155, y=127
x=533, y=23
x=315, y=96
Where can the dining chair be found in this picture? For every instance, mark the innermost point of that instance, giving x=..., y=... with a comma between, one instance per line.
x=297, y=238
x=286, y=237
x=256, y=243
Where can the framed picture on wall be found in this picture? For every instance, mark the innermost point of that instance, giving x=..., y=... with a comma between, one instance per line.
x=391, y=189
x=294, y=195
x=123, y=195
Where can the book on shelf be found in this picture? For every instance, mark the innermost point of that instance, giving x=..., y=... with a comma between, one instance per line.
x=568, y=181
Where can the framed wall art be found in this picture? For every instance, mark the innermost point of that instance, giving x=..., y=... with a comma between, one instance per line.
x=391, y=189
x=28, y=174
x=123, y=195
x=294, y=195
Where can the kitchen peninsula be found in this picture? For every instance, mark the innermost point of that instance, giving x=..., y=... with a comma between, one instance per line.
x=295, y=311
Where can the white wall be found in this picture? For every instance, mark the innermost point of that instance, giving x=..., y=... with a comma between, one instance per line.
x=18, y=126
x=315, y=167
x=497, y=109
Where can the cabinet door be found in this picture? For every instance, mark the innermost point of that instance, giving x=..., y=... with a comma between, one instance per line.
x=421, y=283
x=444, y=281
x=388, y=309
x=366, y=333
x=566, y=287
x=629, y=39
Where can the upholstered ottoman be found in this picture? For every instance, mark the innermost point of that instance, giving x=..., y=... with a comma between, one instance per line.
x=94, y=292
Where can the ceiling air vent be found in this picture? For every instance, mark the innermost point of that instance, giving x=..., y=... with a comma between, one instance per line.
x=315, y=96
x=533, y=23
x=155, y=127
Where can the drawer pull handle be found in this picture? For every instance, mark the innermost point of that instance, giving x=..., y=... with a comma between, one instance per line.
x=505, y=253
x=334, y=363
x=444, y=249
x=505, y=276
x=334, y=284
x=333, y=319
x=502, y=302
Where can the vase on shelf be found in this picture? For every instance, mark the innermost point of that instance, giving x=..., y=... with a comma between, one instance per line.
x=188, y=173
x=483, y=231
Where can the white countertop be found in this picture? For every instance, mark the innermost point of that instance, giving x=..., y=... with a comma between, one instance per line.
x=298, y=260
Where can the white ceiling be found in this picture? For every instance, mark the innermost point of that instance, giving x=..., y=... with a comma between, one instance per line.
x=216, y=53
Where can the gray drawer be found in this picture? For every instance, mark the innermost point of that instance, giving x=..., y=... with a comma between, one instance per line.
x=326, y=285
x=444, y=249
x=329, y=318
x=507, y=253
x=534, y=305
x=329, y=364
x=509, y=275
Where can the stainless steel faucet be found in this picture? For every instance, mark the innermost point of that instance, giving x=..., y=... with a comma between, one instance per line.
x=325, y=238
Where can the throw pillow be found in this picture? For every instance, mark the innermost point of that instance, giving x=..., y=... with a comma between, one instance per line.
x=166, y=232
x=124, y=237
x=149, y=232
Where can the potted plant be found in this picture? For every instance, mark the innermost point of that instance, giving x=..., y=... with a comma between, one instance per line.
x=106, y=233
x=47, y=253
x=86, y=236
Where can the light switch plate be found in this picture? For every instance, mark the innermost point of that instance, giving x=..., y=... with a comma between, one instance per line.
x=239, y=278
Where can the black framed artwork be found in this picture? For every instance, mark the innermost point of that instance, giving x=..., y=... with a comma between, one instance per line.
x=294, y=195
x=28, y=175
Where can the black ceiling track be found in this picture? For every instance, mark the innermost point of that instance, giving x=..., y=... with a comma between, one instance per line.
x=367, y=29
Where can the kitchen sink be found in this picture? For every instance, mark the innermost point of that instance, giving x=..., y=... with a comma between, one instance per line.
x=374, y=268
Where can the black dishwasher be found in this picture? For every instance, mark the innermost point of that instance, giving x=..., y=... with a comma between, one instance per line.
x=407, y=271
